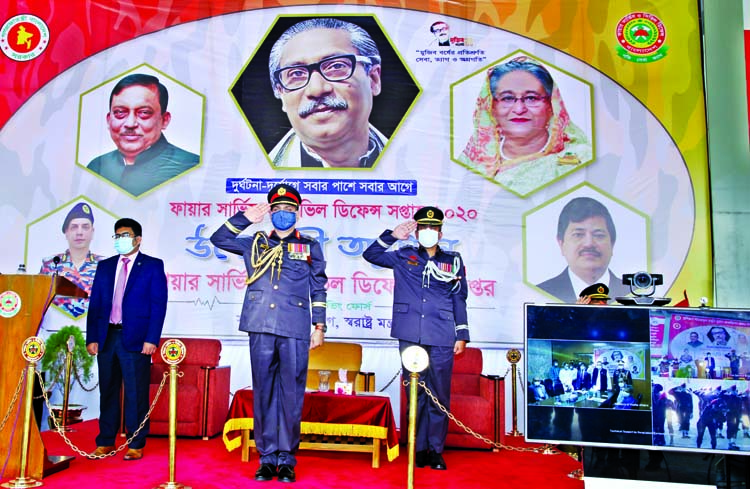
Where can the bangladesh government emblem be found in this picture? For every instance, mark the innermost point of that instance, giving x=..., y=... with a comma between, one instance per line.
x=641, y=38
x=24, y=37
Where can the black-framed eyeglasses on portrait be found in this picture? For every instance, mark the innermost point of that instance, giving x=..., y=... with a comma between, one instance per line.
x=333, y=69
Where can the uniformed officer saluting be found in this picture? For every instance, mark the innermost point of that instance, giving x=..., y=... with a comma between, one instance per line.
x=286, y=276
x=429, y=309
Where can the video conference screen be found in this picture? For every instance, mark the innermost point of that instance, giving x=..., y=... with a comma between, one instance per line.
x=675, y=378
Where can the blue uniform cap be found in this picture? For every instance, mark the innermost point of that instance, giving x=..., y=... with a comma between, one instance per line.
x=80, y=210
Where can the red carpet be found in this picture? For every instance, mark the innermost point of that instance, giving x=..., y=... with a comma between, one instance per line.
x=207, y=464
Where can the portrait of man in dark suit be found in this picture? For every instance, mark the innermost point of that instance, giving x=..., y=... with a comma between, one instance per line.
x=137, y=119
x=586, y=236
x=127, y=307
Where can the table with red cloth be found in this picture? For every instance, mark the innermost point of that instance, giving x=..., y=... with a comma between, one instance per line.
x=353, y=423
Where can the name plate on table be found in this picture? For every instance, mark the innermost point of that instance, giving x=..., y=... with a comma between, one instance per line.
x=344, y=388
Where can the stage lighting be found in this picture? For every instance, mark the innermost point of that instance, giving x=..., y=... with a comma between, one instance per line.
x=642, y=286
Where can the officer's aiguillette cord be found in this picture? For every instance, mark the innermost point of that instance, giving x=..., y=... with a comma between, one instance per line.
x=261, y=261
x=432, y=270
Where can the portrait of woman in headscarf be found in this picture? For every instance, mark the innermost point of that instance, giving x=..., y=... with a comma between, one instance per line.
x=523, y=137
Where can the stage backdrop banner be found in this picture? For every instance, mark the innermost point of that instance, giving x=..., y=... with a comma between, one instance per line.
x=511, y=116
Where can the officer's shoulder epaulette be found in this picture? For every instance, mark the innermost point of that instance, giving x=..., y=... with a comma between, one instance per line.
x=306, y=238
x=450, y=252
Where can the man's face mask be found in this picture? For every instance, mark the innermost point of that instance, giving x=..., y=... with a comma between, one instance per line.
x=283, y=220
x=428, y=237
x=124, y=245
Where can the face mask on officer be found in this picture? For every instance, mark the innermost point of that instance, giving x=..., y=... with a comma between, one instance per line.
x=283, y=219
x=428, y=237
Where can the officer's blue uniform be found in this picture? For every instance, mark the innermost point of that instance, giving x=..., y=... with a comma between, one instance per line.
x=276, y=315
x=431, y=313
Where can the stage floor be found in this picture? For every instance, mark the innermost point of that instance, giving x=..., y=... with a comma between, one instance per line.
x=208, y=465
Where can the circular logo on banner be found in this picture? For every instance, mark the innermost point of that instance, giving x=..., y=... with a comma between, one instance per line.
x=173, y=351
x=33, y=349
x=24, y=37
x=10, y=304
x=641, y=37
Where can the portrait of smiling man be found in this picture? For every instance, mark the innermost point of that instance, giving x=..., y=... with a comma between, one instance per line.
x=136, y=120
x=326, y=73
x=586, y=236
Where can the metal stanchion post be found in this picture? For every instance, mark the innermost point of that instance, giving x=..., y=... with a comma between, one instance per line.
x=514, y=356
x=415, y=359
x=173, y=352
x=413, y=379
x=63, y=423
x=33, y=351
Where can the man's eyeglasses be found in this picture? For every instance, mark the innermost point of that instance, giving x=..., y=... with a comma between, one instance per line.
x=123, y=235
x=333, y=69
x=531, y=101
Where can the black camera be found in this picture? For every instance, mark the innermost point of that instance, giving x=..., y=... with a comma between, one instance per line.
x=642, y=286
x=642, y=280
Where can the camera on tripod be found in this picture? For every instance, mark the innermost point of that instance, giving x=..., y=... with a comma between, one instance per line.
x=642, y=286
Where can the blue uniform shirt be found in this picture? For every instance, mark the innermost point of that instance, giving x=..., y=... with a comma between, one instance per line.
x=279, y=302
x=426, y=310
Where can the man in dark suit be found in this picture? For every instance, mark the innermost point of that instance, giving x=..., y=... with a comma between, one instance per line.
x=586, y=235
x=710, y=366
x=127, y=307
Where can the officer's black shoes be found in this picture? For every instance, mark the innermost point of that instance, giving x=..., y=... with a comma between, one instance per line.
x=265, y=472
x=422, y=458
x=436, y=461
x=286, y=473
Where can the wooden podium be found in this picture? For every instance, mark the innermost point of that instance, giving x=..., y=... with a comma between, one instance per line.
x=23, y=301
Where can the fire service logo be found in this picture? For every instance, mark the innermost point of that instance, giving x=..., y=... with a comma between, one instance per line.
x=641, y=38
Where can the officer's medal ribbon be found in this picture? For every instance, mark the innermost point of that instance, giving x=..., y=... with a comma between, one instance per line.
x=298, y=251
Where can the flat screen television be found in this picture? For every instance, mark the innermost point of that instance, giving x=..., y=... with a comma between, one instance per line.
x=638, y=377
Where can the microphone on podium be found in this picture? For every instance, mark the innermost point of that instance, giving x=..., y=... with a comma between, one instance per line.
x=56, y=261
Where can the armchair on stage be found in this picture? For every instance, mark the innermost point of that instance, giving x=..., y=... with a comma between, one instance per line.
x=477, y=400
x=331, y=357
x=202, y=394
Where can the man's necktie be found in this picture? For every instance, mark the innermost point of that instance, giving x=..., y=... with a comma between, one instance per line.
x=116, y=316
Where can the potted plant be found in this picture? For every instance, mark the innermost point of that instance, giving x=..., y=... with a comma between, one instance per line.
x=53, y=364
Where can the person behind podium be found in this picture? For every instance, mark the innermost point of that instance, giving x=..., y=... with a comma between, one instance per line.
x=126, y=315
x=286, y=279
x=77, y=263
x=612, y=459
x=429, y=310
x=586, y=236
